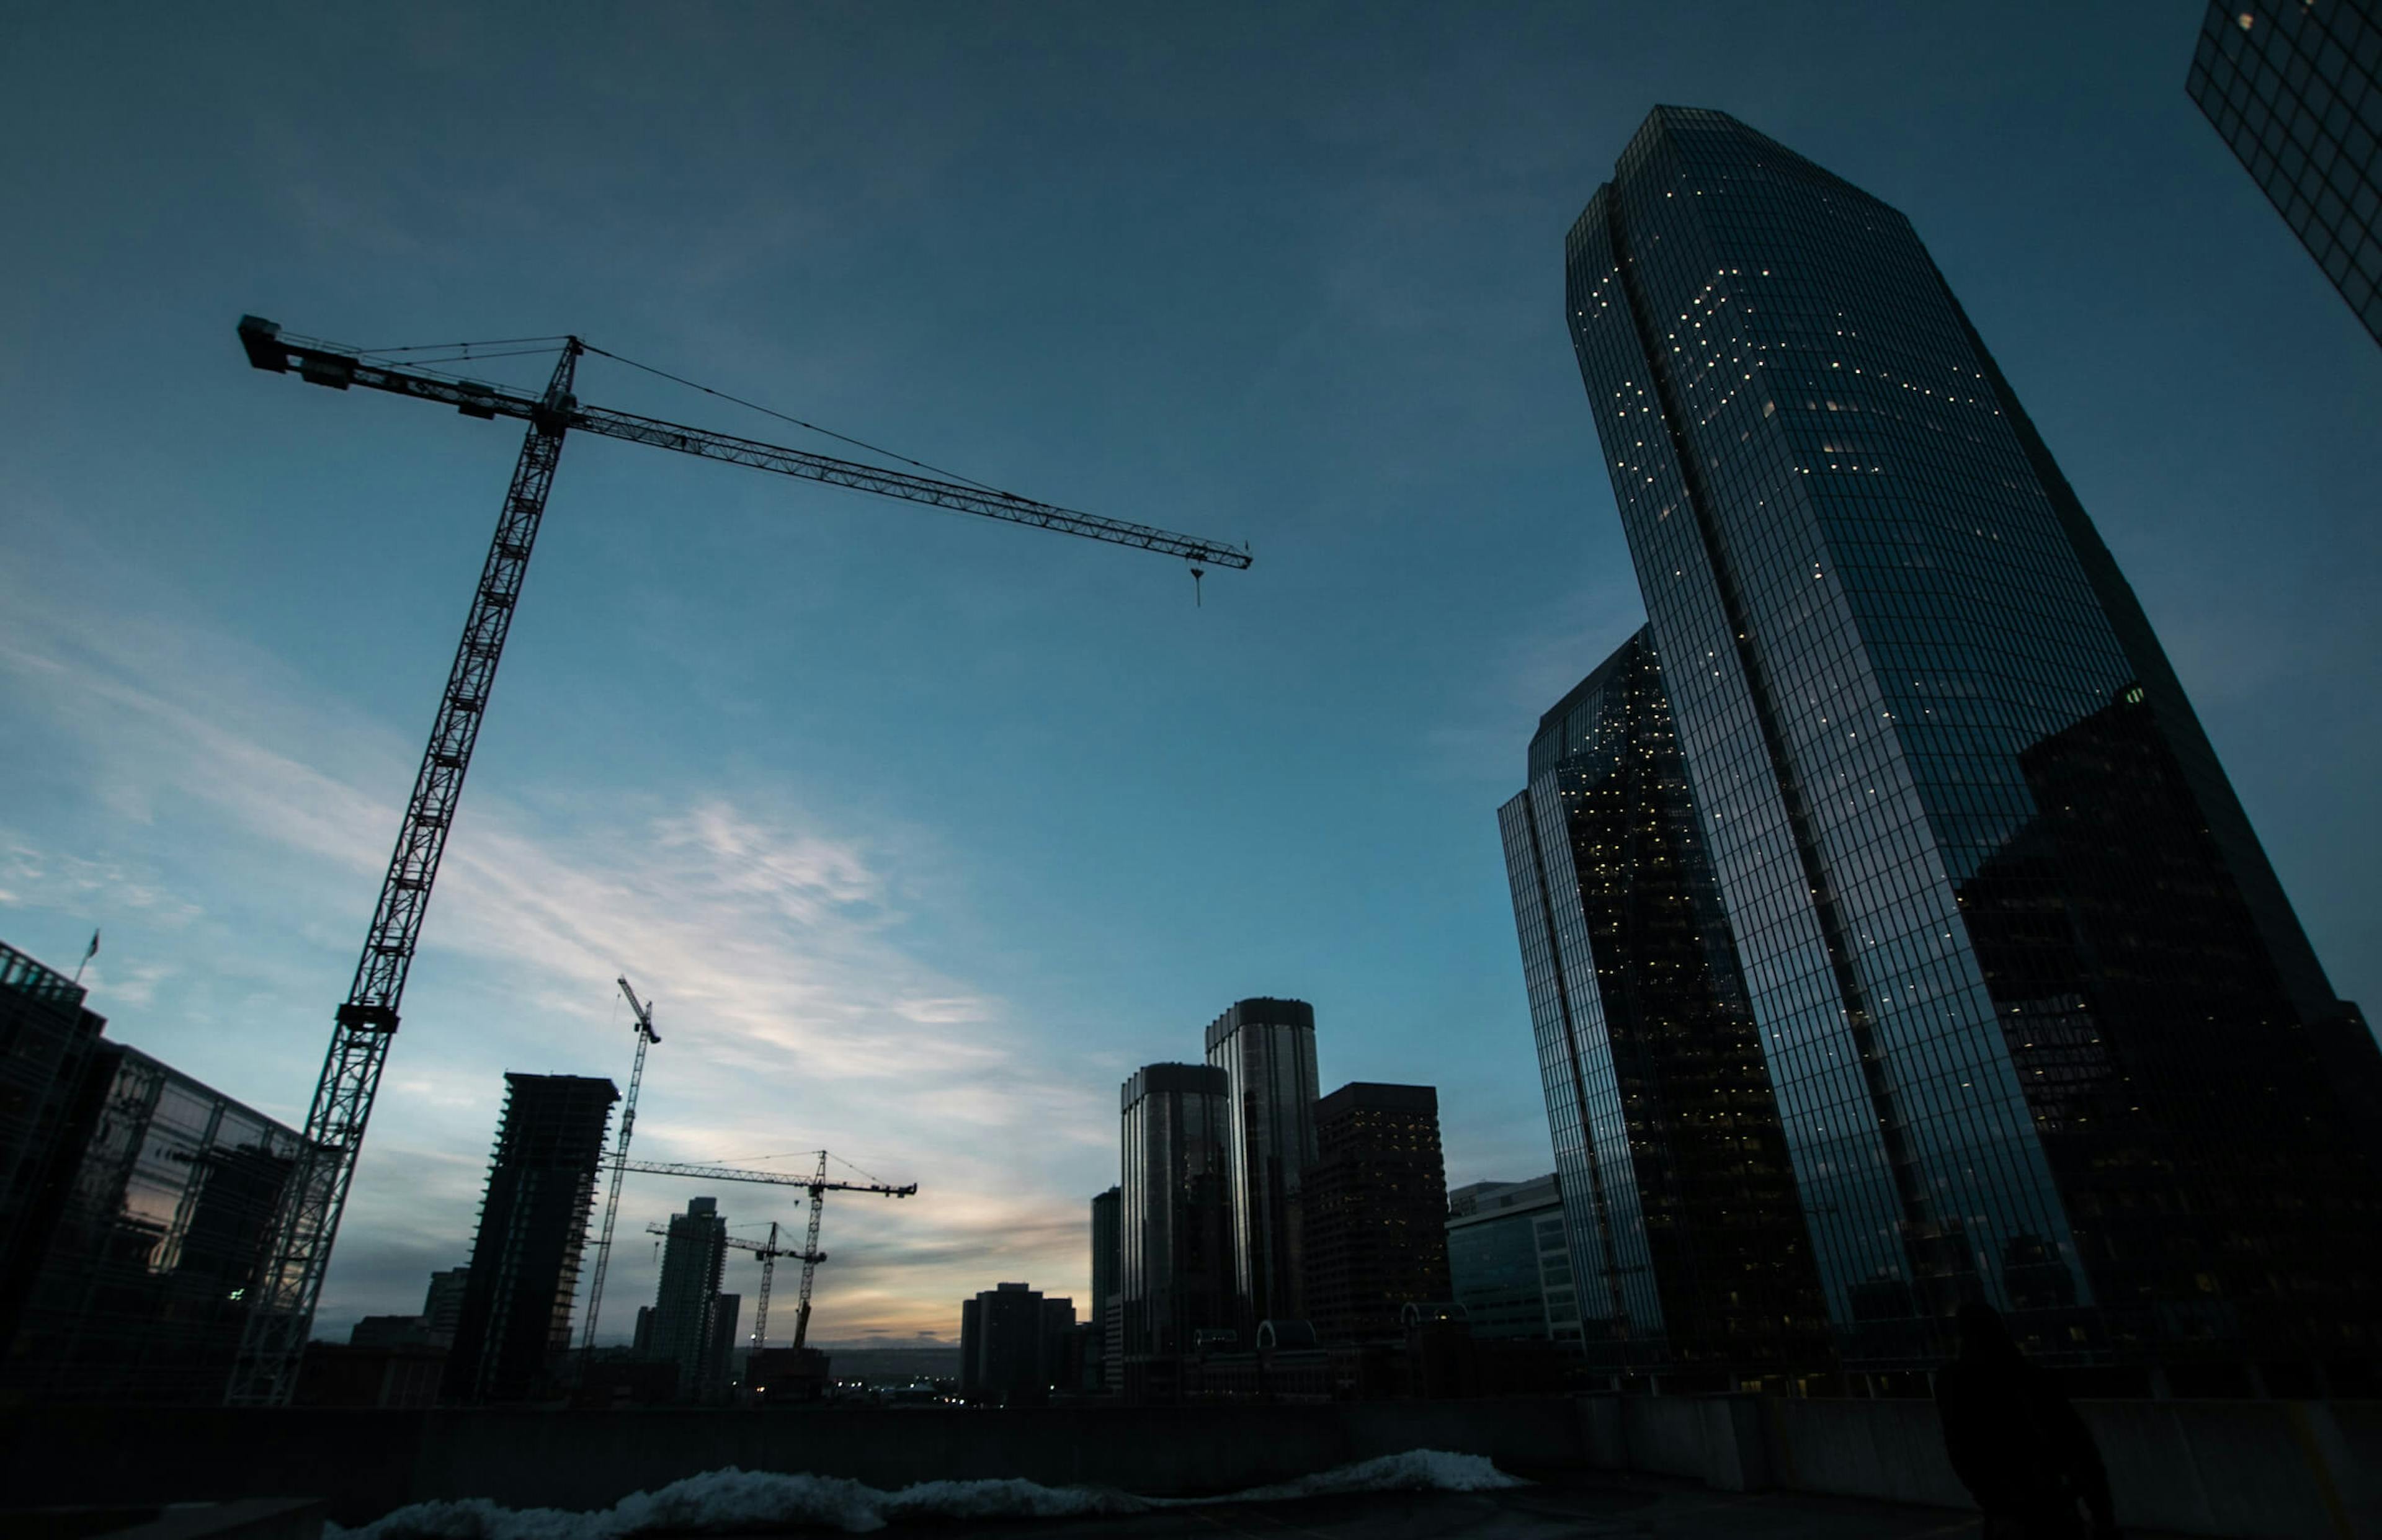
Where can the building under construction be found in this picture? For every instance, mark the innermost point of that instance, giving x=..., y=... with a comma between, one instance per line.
x=514, y=1331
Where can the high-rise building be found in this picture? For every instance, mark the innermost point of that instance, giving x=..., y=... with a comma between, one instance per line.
x=694, y=1256
x=1012, y=1344
x=442, y=1303
x=152, y=1207
x=516, y=1314
x=1509, y=1260
x=2041, y=1025
x=1105, y=1312
x=2295, y=88
x=1371, y=1211
x=718, y=1380
x=1176, y=1214
x=1266, y=1049
x=1688, y=1241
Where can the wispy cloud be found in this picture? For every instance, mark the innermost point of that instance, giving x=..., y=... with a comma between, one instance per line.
x=795, y=1002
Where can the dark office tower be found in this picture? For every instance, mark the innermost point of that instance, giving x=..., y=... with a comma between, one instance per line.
x=718, y=1381
x=2296, y=89
x=1104, y=1312
x=1373, y=1210
x=1176, y=1215
x=516, y=1314
x=1012, y=1344
x=2041, y=1025
x=1688, y=1244
x=694, y=1255
x=1267, y=1051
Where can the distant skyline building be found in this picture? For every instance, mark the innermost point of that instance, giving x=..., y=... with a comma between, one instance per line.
x=442, y=1303
x=1688, y=1240
x=524, y=1269
x=1371, y=1211
x=2041, y=1025
x=1266, y=1048
x=1105, y=1311
x=1176, y=1215
x=2295, y=89
x=1509, y=1260
x=684, y=1329
x=719, y=1378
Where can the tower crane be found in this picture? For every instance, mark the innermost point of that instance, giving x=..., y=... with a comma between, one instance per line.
x=306, y=1220
x=646, y=1037
x=768, y=1252
x=818, y=1186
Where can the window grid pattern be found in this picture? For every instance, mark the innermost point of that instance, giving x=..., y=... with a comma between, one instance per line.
x=2295, y=88
x=1999, y=958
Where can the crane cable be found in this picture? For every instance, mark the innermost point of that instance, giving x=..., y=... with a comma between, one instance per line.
x=771, y=411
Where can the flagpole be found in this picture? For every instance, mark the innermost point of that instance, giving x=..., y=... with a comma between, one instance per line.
x=88, y=953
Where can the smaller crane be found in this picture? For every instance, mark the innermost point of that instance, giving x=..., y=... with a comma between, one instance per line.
x=820, y=1187
x=646, y=1037
x=768, y=1252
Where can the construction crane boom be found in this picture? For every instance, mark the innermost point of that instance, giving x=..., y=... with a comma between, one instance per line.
x=340, y=368
x=770, y=1178
x=646, y=1037
x=306, y=1219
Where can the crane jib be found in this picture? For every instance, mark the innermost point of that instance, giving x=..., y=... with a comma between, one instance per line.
x=269, y=347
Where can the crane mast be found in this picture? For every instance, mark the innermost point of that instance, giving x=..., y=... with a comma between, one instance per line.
x=646, y=1037
x=769, y=1254
x=810, y=1249
x=306, y=1220
x=308, y=1217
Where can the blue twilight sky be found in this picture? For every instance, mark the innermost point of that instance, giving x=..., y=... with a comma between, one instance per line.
x=923, y=831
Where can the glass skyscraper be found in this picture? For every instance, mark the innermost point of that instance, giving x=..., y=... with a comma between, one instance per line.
x=1175, y=1213
x=1266, y=1048
x=2296, y=89
x=2040, y=1024
x=1687, y=1246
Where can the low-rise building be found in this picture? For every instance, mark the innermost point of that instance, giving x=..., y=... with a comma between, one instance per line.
x=1509, y=1261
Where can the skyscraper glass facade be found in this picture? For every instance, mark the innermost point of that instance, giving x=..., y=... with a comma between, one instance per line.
x=2040, y=1024
x=1510, y=1261
x=1688, y=1240
x=1266, y=1049
x=151, y=1257
x=2295, y=86
x=1176, y=1214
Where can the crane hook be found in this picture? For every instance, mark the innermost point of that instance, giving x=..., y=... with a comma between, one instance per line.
x=1195, y=575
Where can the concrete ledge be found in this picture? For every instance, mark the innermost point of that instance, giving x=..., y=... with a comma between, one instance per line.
x=2261, y=1469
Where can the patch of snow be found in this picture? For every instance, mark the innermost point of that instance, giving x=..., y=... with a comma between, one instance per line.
x=1415, y=1471
x=733, y=1501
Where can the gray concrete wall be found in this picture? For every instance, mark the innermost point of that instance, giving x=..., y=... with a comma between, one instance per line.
x=2262, y=1470
x=364, y=1463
